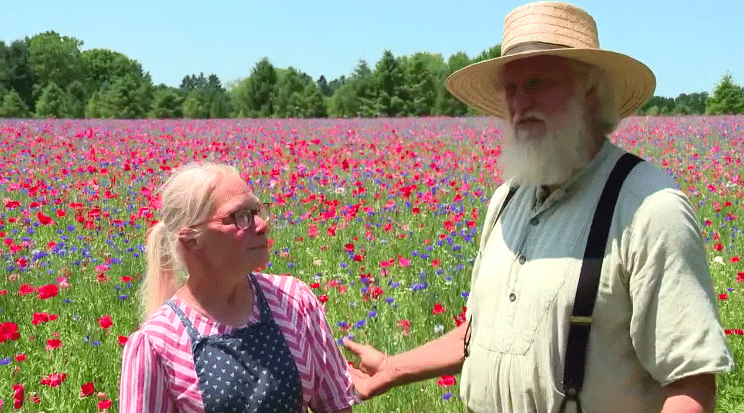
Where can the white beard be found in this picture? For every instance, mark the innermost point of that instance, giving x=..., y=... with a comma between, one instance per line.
x=549, y=155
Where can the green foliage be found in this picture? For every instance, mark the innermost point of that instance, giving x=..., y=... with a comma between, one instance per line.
x=124, y=99
x=15, y=72
x=13, y=106
x=54, y=58
x=653, y=111
x=259, y=90
x=728, y=98
x=51, y=102
x=166, y=104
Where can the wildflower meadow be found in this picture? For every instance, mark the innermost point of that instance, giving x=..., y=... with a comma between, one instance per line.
x=380, y=217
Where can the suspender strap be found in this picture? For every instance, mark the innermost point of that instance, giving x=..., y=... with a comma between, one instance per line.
x=586, y=291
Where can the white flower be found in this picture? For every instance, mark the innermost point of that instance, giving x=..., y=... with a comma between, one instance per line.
x=718, y=260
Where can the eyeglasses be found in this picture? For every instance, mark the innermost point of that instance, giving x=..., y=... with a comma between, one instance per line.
x=243, y=218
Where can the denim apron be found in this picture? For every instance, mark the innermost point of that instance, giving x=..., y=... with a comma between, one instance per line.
x=247, y=370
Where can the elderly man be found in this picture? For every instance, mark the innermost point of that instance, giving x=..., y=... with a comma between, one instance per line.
x=653, y=341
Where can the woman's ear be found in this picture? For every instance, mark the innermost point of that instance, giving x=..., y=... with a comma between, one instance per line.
x=187, y=238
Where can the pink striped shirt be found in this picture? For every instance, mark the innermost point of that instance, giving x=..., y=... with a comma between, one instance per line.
x=158, y=373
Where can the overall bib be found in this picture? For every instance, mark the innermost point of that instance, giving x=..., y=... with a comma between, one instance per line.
x=247, y=370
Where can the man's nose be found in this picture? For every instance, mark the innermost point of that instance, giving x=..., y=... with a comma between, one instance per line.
x=522, y=100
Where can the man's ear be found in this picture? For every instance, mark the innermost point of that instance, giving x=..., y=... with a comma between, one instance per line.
x=591, y=98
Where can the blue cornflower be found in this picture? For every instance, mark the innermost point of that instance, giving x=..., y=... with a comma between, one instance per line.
x=4, y=361
x=342, y=324
x=389, y=300
x=465, y=294
x=359, y=324
x=96, y=343
x=419, y=286
x=371, y=313
x=123, y=297
x=446, y=396
x=71, y=227
x=344, y=265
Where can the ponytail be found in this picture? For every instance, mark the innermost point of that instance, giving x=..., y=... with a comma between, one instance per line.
x=160, y=282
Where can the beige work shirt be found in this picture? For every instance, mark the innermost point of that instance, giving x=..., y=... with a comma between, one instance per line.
x=655, y=318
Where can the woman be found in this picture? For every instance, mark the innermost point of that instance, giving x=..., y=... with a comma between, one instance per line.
x=218, y=337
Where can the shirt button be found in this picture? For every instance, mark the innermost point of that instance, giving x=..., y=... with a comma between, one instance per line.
x=512, y=297
x=522, y=259
x=534, y=221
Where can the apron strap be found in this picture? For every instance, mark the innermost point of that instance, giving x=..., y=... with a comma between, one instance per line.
x=193, y=334
x=263, y=306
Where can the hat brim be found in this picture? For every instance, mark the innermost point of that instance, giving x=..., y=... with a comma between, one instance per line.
x=478, y=84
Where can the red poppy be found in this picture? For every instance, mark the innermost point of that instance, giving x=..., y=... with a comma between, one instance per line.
x=43, y=318
x=405, y=325
x=104, y=404
x=20, y=357
x=87, y=389
x=323, y=298
x=105, y=322
x=48, y=291
x=53, y=344
x=126, y=279
x=123, y=340
x=446, y=381
x=25, y=289
x=17, y=396
x=438, y=309
x=349, y=247
x=54, y=379
x=723, y=296
x=45, y=220
x=9, y=331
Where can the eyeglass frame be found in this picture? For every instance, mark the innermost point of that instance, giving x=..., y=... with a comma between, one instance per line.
x=253, y=214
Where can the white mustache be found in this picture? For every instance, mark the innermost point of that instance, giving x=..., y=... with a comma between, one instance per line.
x=529, y=115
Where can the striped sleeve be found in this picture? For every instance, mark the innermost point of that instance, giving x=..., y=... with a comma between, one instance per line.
x=333, y=387
x=143, y=387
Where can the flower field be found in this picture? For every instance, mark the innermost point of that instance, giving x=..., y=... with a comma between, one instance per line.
x=380, y=217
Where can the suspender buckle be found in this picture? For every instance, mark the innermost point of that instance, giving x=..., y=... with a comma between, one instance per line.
x=582, y=320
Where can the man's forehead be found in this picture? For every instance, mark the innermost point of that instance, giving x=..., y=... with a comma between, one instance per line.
x=546, y=64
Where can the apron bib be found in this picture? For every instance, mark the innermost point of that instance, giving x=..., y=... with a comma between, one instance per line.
x=247, y=370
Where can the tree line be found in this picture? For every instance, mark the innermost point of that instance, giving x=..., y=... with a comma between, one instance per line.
x=48, y=76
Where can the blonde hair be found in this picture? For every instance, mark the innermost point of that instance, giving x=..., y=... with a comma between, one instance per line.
x=186, y=200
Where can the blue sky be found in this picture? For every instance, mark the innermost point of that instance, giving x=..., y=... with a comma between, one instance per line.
x=689, y=45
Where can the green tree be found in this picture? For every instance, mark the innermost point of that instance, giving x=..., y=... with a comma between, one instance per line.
x=422, y=86
x=125, y=98
x=390, y=86
x=193, y=106
x=54, y=59
x=491, y=53
x=260, y=89
x=51, y=102
x=314, y=103
x=13, y=106
x=166, y=104
x=323, y=87
x=728, y=98
x=446, y=104
x=356, y=97
x=15, y=72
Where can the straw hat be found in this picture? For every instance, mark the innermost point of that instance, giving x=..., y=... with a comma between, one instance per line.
x=557, y=29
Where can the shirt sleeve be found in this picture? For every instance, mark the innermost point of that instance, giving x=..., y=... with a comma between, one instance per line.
x=675, y=326
x=333, y=387
x=142, y=388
